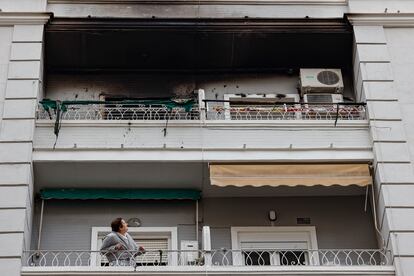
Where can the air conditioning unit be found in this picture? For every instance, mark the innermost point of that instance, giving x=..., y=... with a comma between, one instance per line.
x=321, y=81
x=189, y=254
x=323, y=98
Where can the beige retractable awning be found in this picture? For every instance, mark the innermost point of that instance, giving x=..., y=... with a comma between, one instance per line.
x=258, y=175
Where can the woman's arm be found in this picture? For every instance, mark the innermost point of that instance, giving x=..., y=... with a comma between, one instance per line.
x=110, y=244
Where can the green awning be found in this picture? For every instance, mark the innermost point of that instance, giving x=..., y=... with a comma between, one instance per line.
x=187, y=104
x=157, y=194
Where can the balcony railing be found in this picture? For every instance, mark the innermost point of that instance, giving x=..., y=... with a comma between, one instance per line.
x=217, y=258
x=209, y=110
x=224, y=110
x=120, y=111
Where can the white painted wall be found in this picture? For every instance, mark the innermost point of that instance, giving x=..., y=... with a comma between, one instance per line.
x=394, y=166
x=400, y=45
x=23, y=5
x=20, y=59
x=380, y=6
x=203, y=137
x=5, y=48
x=399, y=221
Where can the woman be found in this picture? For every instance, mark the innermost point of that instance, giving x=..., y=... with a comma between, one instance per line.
x=118, y=246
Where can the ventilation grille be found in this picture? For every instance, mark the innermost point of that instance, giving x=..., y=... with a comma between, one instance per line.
x=303, y=220
x=328, y=77
x=319, y=98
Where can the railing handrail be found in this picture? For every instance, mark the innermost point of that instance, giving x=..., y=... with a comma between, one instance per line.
x=283, y=103
x=215, y=249
x=214, y=257
x=209, y=110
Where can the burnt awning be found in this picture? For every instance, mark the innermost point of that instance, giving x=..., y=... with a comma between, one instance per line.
x=196, y=44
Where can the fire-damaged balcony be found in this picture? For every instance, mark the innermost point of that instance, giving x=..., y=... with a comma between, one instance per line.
x=204, y=87
x=164, y=110
x=228, y=69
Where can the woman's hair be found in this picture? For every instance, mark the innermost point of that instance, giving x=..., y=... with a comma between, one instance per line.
x=116, y=224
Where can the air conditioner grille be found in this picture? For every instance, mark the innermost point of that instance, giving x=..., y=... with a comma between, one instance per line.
x=328, y=77
x=319, y=98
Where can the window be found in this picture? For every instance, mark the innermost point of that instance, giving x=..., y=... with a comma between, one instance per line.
x=273, y=245
x=155, y=240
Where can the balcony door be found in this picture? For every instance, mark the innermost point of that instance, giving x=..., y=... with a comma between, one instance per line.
x=263, y=246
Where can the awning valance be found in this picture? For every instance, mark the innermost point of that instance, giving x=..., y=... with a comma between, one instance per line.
x=258, y=175
x=156, y=194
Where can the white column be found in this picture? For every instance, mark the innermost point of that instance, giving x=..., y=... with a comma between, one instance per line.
x=21, y=59
x=394, y=171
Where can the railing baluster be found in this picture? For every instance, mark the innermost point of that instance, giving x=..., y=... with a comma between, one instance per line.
x=219, y=257
x=212, y=110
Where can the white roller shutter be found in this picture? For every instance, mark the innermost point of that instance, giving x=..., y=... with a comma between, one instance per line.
x=156, y=251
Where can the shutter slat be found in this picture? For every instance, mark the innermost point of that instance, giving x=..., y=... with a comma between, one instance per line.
x=152, y=255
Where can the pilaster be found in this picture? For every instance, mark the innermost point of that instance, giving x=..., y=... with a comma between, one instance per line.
x=23, y=81
x=394, y=174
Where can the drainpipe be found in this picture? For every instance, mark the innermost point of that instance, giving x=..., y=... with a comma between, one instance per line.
x=196, y=220
x=374, y=207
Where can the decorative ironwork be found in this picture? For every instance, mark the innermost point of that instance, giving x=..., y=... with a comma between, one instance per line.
x=212, y=110
x=219, y=257
x=121, y=112
x=287, y=111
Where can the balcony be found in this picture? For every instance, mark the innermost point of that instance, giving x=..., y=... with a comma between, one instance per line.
x=226, y=59
x=210, y=110
x=206, y=131
x=218, y=261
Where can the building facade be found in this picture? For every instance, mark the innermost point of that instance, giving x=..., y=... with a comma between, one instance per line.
x=236, y=137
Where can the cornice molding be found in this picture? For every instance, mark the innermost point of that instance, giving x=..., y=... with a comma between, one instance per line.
x=24, y=18
x=382, y=19
x=205, y=2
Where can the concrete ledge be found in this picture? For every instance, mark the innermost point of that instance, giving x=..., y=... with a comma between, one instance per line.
x=16, y=18
x=391, y=19
x=205, y=2
x=210, y=123
x=229, y=270
x=156, y=154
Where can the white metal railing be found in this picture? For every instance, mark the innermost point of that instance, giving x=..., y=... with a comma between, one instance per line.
x=221, y=110
x=219, y=257
x=210, y=110
x=123, y=111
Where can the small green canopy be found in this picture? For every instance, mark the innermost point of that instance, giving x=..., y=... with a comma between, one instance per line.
x=120, y=194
